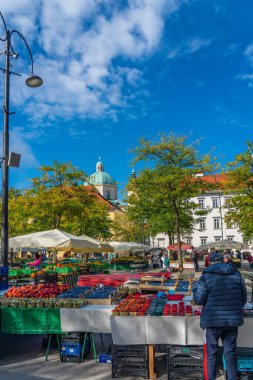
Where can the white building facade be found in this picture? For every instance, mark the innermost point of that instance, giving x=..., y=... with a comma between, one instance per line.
x=209, y=228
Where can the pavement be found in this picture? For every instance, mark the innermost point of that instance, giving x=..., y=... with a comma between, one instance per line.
x=23, y=358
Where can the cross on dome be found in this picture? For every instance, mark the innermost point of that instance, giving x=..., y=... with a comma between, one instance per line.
x=99, y=165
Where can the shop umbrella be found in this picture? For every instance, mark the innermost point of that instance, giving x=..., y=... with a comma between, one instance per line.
x=53, y=240
x=184, y=247
x=224, y=244
x=102, y=246
x=128, y=246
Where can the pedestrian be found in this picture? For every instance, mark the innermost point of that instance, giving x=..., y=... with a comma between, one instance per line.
x=222, y=292
x=250, y=261
x=195, y=258
x=166, y=262
x=37, y=264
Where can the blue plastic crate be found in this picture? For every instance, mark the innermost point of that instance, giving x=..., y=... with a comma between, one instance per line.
x=3, y=271
x=245, y=364
x=105, y=358
x=72, y=349
x=4, y=284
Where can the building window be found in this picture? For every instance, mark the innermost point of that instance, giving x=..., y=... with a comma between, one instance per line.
x=189, y=241
x=230, y=225
x=161, y=242
x=203, y=240
x=215, y=202
x=226, y=202
x=230, y=238
x=216, y=223
x=201, y=202
x=202, y=224
x=217, y=239
x=108, y=195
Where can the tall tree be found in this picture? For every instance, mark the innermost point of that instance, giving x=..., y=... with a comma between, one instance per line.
x=163, y=190
x=57, y=199
x=240, y=185
x=127, y=229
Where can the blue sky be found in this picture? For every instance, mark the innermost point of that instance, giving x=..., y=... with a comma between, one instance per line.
x=114, y=71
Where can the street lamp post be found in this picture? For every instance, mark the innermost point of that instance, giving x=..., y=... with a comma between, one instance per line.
x=32, y=81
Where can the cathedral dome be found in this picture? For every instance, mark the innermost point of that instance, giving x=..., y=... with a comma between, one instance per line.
x=100, y=177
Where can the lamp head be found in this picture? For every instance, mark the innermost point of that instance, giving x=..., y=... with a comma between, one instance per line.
x=34, y=81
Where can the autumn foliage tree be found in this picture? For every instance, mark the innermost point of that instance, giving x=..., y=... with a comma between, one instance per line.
x=240, y=185
x=58, y=199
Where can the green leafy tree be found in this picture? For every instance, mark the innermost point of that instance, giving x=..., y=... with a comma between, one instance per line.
x=126, y=229
x=162, y=191
x=57, y=199
x=240, y=185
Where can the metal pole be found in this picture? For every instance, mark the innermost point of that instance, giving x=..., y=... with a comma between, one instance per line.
x=5, y=169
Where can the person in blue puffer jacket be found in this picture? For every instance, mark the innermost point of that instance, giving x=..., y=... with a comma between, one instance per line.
x=222, y=292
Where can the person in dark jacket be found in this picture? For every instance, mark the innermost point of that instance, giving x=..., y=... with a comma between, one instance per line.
x=222, y=292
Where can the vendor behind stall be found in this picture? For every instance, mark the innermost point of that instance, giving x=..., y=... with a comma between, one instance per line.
x=37, y=264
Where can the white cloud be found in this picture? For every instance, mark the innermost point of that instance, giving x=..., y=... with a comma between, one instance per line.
x=248, y=53
x=197, y=43
x=77, y=44
x=188, y=47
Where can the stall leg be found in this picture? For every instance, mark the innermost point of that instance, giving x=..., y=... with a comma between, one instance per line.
x=93, y=348
x=84, y=346
x=102, y=343
x=58, y=344
x=151, y=361
x=48, y=345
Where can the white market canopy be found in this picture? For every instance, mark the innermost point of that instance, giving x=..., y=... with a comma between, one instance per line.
x=102, y=246
x=128, y=246
x=53, y=239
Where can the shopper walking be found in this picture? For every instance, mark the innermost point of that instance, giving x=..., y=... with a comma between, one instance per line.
x=195, y=258
x=221, y=291
x=250, y=261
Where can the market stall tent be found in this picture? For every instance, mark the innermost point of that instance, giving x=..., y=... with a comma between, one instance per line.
x=128, y=246
x=54, y=240
x=223, y=244
x=102, y=246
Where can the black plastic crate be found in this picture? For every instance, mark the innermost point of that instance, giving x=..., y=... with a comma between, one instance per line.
x=71, y=359
x=125, y=370
x=196, y=352
x=184, y=362
x=185, y=373
x=72, y=338
x=244, y=351
x=129, y=361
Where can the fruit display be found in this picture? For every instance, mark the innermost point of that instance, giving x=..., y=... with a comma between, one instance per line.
x=100, y=293
x=36, y=291
x=41, y=303
x=127, y=259
x=133, y=305
x=76, y=292
x=140, y=305
x=156, y=306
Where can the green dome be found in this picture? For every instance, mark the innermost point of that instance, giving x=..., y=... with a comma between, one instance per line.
x=101, y=178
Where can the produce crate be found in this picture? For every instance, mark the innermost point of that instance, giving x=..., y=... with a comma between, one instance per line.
x=105, y=358
x=130, y=361
x=71, y=349
x=185, y=362
x=27, y=271
x=65, y=270
x=14, y=272
x=72, y=338
x=3, y=271
x=244, y=362
x=30, y=321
